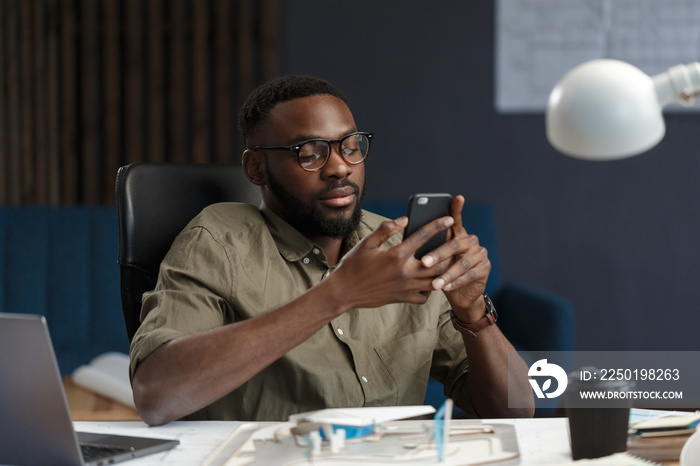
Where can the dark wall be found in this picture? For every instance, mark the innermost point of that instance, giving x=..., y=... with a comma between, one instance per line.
x=621, y=240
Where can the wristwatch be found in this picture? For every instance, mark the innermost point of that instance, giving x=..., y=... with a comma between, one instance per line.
x=473, y=327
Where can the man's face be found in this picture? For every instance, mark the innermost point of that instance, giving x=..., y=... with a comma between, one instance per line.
x=326, y=202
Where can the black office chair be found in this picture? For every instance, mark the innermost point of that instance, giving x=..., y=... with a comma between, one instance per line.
x=154, y=203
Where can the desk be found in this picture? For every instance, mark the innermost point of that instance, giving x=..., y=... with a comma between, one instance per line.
x=541, y=441
x=89, y=406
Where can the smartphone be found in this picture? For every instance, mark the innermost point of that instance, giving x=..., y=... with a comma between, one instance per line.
x=423, y=209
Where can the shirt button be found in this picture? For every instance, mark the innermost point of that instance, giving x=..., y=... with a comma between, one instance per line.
x=306, y=260
x=340, y=331
x=364, y=379
x=317, y=251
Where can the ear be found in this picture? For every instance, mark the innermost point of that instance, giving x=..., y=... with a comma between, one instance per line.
x=253, y=164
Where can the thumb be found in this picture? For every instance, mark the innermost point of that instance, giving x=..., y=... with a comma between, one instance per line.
x=386, y=230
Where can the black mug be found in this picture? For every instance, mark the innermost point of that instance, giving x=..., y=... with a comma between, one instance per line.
x=597, y=426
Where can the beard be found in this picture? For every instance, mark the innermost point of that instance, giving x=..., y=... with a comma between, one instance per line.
x=309, y=220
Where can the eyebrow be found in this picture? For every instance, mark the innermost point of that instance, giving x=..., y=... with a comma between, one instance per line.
x=305, y=137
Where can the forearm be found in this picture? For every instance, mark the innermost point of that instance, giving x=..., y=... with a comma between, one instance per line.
x=489, y=376
x=191, y=372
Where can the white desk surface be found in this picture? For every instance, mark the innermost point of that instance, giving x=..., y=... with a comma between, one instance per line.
x=541, y=441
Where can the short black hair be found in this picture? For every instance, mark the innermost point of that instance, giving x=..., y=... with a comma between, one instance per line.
x=260, y=102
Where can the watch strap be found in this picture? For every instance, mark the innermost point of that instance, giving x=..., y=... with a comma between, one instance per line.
x=472, y=328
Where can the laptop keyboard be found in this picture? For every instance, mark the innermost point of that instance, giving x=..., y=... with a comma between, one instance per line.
x=96, y=451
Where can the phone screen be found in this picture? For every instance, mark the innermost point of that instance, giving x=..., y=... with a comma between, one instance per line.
x=423, y=209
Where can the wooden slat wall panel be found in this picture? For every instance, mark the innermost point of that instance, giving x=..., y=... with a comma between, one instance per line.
x=155, y=81
x=134, y=80
x=111, y=88
x=14, y=137
x=90, y=102
x=87, y=86
x=39, y=110
x=69, y=76
x=224, y=124
x=53, y=120
x=27, y=90
x=269, y=37
x=200, y=82
x=4, y=161
x=177, y=77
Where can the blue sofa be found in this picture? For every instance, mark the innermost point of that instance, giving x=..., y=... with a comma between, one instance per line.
x=61, y=262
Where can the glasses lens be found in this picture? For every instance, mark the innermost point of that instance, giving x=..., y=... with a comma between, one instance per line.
x=355, y=148
x=313, y=154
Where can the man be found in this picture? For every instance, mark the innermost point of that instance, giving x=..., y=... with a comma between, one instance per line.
x=310, y=302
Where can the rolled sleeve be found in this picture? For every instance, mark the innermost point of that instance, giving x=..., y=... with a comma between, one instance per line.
x=194, y=282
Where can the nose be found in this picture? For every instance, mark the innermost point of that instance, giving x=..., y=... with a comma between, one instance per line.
x=336, y=166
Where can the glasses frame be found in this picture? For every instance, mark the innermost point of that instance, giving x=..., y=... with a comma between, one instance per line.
x=297, y=148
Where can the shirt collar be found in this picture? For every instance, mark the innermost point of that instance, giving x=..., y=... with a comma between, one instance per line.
x=295, y=246
x=290, y=242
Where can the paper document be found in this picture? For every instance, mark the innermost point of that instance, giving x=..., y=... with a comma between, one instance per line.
x=360, y=417
x=107, y=375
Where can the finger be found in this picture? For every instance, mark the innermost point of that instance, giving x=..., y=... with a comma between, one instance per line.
x=479, y=273
x=469, y=268
x=435, y=270
x=460, y=243
x=456, y=211
x=462, y=253
x=455, y=231
x=417, y=293
x=386, y=230
x=424, y=233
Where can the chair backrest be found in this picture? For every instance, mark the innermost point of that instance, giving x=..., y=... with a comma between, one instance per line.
x=155, y=201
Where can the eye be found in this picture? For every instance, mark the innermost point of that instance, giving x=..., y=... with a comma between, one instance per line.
x=311, y=152
x=348, y=150
x=308, y=159
x=353, y=146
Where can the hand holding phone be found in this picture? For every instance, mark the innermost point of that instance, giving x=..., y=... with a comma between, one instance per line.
x=423, y=209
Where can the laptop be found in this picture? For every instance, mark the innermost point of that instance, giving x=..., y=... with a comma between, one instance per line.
x=35, y=422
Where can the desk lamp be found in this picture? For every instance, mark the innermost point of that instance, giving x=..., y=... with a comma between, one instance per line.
x=608, y=109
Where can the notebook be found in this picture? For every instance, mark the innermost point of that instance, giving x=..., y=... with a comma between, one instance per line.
x=35, y=421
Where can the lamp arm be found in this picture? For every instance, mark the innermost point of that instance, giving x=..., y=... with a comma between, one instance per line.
x=680, y=83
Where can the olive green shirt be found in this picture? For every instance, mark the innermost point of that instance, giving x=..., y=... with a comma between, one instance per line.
x=236, y=261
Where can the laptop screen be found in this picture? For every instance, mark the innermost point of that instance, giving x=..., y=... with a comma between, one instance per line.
x=36, y=425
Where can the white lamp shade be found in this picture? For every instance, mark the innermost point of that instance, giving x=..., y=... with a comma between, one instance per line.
x=604, y=110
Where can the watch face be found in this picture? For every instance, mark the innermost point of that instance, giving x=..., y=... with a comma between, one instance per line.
x=490, y=309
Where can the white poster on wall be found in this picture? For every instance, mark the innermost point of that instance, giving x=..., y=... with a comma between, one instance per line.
x=538, y=41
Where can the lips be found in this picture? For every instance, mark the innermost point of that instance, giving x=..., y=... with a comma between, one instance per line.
x=338, y=197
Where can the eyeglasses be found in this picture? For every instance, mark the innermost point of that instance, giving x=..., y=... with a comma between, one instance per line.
x=313, y=154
